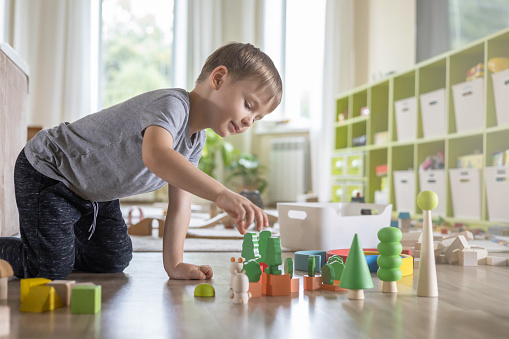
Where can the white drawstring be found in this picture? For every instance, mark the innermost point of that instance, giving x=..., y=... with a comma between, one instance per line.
x=92, y=227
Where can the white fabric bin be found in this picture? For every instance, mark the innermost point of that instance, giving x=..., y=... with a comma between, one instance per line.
x=434, y=180
x=406, y=119
x=497, y=191
x=466, y=192
x=501, y=92
x=433, y=113
x=469, y=105
x=404, y=190
x=328, y=226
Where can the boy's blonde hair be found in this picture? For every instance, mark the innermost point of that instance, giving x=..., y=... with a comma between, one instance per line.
x=245, y=61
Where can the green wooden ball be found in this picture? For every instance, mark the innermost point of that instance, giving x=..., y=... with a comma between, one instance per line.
x=389, y=234
x=427, y=200
x=386, y=274
x=389, y=261
x=389, y=248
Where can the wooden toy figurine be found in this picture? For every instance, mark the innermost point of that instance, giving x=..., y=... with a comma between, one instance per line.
x=235, y=268
x=389, y=259
x=240, y=289
x=427, y=283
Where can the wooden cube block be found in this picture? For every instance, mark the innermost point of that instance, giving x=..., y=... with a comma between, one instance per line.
x=26, y=284
x=63, y=289
x=496, y=261
x=294, y=285
x=86, y=299
x=483, y=261
x=5, y=321
x=417, y=253
x=467, y=258
x=482, y=254
x=417, y=262
x=256, y=289
x=41, y=298
x=278, y=284
x=312, y=283
x=418, y=246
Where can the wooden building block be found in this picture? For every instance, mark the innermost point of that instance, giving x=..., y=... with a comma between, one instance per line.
x=294, y=285
x=41, y=298
x=278, y=284
x=459, y=243
x=5, y=273
x=334, y=287
x=312, y=283
x=418, y=246
x=86, y=299
x=5, y=321
x=482, y=254
x=483, y=261
x=63, y=289
x=467, y=257
x=441, y=259
x=417, y=262
x=264, y=282
x=454, y=259
x=27, y=284
x=416, y=253
x=496, y=261
x=255, y=288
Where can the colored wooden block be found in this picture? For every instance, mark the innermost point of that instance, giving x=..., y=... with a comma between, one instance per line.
x=467, y=258
x=301, y=260
x=334, y=288
x=278, y=284
x=496, y=261
x=27, y=284
x=294, y=285
x=86, y=299
x=255, y=288
x=264, y=283
x=5, y=321
x=312, y=283
x=41, y=298
x=63, y=289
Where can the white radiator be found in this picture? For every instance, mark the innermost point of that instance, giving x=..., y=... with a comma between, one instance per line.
x=289, y=168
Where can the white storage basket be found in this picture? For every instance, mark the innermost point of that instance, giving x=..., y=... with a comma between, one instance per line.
x=406, y=119
x=469, y=105
x=466, y=192
x=328, y=226
x=433, y=113
x=497, y=191
x=404, y=190
x=501, y=90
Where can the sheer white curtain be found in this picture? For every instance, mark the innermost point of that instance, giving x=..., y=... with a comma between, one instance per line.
x=338, y=76
x=53, y=36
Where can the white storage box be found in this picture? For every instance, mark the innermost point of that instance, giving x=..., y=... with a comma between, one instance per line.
x=433, y=113
x=466, y=192
x=497, y=191
x=406, y=119
x=404, y=190
x=501, y=90
x=434, y=180
x=469, y=105
x=328, y=226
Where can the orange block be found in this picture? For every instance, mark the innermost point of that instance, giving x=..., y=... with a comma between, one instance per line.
x=294, y=285
x=312, y=283
x=264, y=283
x=334, y=288
x=256, y=289
x=278, y=284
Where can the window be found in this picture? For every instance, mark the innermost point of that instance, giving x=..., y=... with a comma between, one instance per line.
x=136, y=48
x=294, y=38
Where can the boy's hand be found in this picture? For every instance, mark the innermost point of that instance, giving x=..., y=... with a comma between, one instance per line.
x=185, y=271
x=242, y=210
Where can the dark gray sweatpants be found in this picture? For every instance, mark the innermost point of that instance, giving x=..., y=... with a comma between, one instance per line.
x=54, y=227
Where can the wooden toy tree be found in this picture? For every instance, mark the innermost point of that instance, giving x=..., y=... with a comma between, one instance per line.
x=289, y=267
x=427, y=284
x=337, y=262
x=273, y=259
x=262, y=245
x=356, y=276
x=389, y=259
x=328, y=274
x=311, y=266
x=250, y=247
x=252, y=270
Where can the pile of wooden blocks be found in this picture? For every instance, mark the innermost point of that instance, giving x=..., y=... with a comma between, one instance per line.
x=454, y=249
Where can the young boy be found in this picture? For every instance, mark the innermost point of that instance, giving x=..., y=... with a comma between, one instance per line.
x=69, y=178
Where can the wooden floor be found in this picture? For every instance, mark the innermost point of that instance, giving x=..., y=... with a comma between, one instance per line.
x=143, y=303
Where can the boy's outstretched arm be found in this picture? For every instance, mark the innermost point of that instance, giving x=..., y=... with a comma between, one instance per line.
x=175, y=229
x=174, y=168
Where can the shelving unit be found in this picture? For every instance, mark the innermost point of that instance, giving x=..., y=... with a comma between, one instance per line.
x=440, y=74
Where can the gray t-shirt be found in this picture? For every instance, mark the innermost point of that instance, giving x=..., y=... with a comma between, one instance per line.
x=99, y=156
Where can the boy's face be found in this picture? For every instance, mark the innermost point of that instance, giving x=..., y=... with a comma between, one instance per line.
x=235, y=106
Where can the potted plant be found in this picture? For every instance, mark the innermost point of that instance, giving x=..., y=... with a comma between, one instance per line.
x=247, y=169
x=209, y=154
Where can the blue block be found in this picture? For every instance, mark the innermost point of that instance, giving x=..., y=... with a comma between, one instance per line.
x=394, y=223
x=301, y=260
x=372, y=264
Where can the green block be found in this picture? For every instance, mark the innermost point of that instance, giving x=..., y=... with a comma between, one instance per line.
x=86, y=299
x=204, y=290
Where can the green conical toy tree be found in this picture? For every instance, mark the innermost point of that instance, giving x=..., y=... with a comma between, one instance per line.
x=356, y=276
x=389, y=259
x=262, y=245
x=250, y=247
x=273, y=256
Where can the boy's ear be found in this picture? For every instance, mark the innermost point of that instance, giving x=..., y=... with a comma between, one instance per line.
x=218, y=76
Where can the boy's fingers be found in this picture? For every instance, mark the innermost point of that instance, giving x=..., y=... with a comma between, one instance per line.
x=250, y=216
x=207, y=270
x=197, y=274
x=240, y=227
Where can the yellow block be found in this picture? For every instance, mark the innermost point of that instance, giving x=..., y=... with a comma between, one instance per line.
x=26, y=284
x=407, y=263
x=41, y=299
